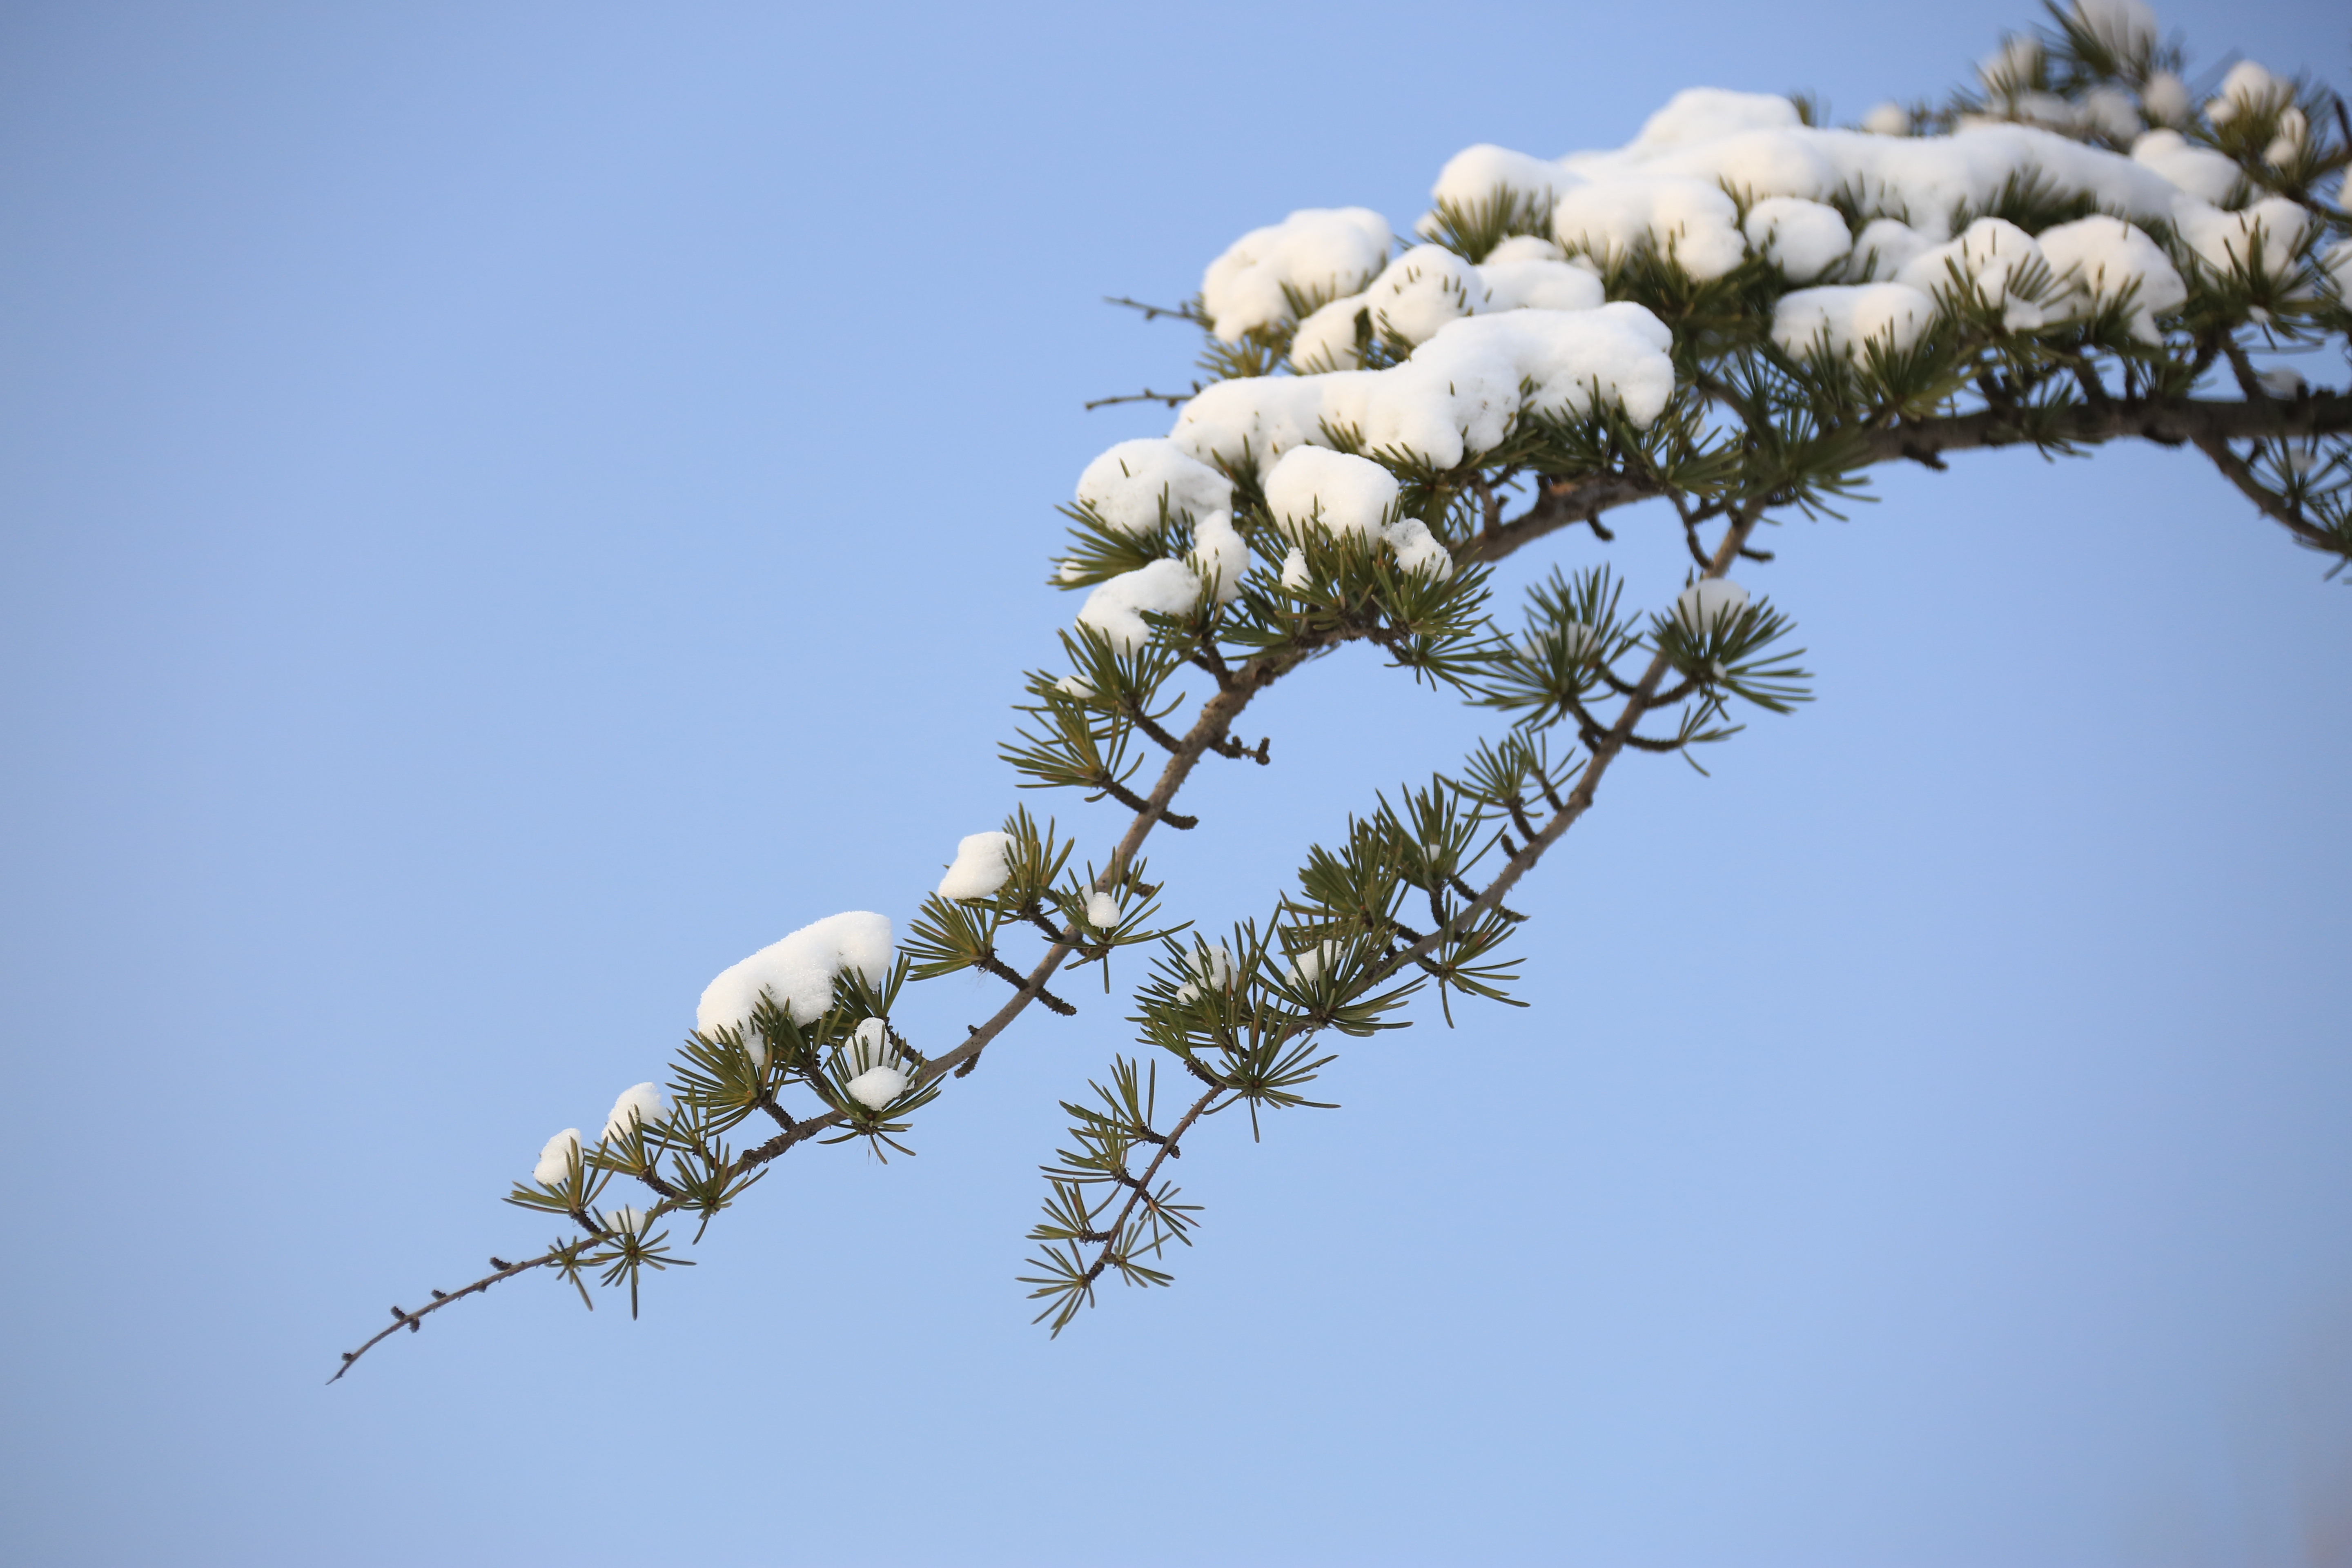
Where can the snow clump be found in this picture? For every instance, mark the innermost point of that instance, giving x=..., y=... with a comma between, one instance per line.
x=877, y=1076
x=1687, y=219
x=1348, y=495
x=1422, y=291
x=981, y=866
x=1117, y=608
x=1460, y=391
x=1212, y=969
x=1802, y=238
x=555, y=1160
x=1884, y=246
x=1710, y=604
x=639, y=1105
x=1307, y=968
x=1131, y=487
x=626, y=1218
x=2164, y=99
x=1889, y=119
x=1985, y=261
x=2247, y=89
x=1428, y=286
x=1102, y=910
x=1842, y=317
x=1317, y=253
x=2212, y=177
x=1134, y=484
x=796, y=974
x=2099, y=259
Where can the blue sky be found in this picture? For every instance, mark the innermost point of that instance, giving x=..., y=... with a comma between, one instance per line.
x=506, y=509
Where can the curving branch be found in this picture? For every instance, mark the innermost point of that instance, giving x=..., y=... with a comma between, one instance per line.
x=2209, y=424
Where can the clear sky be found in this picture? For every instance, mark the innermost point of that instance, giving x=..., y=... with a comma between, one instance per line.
x=506, y=509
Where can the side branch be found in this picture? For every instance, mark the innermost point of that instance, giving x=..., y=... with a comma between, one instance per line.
x=1138, y=1188
x=2235, y=469
x=412, y=1321
x=1609, y=746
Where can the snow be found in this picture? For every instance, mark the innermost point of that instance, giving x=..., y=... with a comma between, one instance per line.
x=1345, y=494
x=639, y=1104
x=1889, y=119
x=1699, y=114
x=1307, y=968
x=2098, y=258
x=1295, y=575
x=1848, y=315
x=1710, y=604
x=1102, y=910
x=1428, y=286
x=1129, y=486
x=1117, y=608
x=1460, y=391
x=1212, y=968
x=2164, y=99
x=2013, y=66
x=1689, y=219
x=1326, y=339
x=1802, y=238
x=797, y=973
x=555, y=1160
x=1538, y=283
x=877, y=1087
x=868, y=1046
x=1884, y=246
x=1475, y=173
x=2247, y=89
x=2109, y=111
x=980, y=867
x=1220, y=556
x=2202, y=173
x=1214, y=566
x=1348, y=495
x=1315, y=253
x=2281, y=382
x=1076, y=686
x=626, y=1218
x=1987, y=258
x=877, y=1076
x=2269, y=230
x=2288, y=145
x=1420, y=291
x=1669, y=182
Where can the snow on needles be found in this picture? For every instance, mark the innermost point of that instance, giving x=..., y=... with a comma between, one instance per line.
x=639, y=1105
x=1348, y=495
x=1138, y=484
x=1461, y=391
x=1859, y=223
x=1135, y=487
x=877, y=1076
x=555, y=1159
x=980, y=867
x=796, y=973
x=1428, y=286
x=1318, y=254
x=1710, y=604
x=1666, y=191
